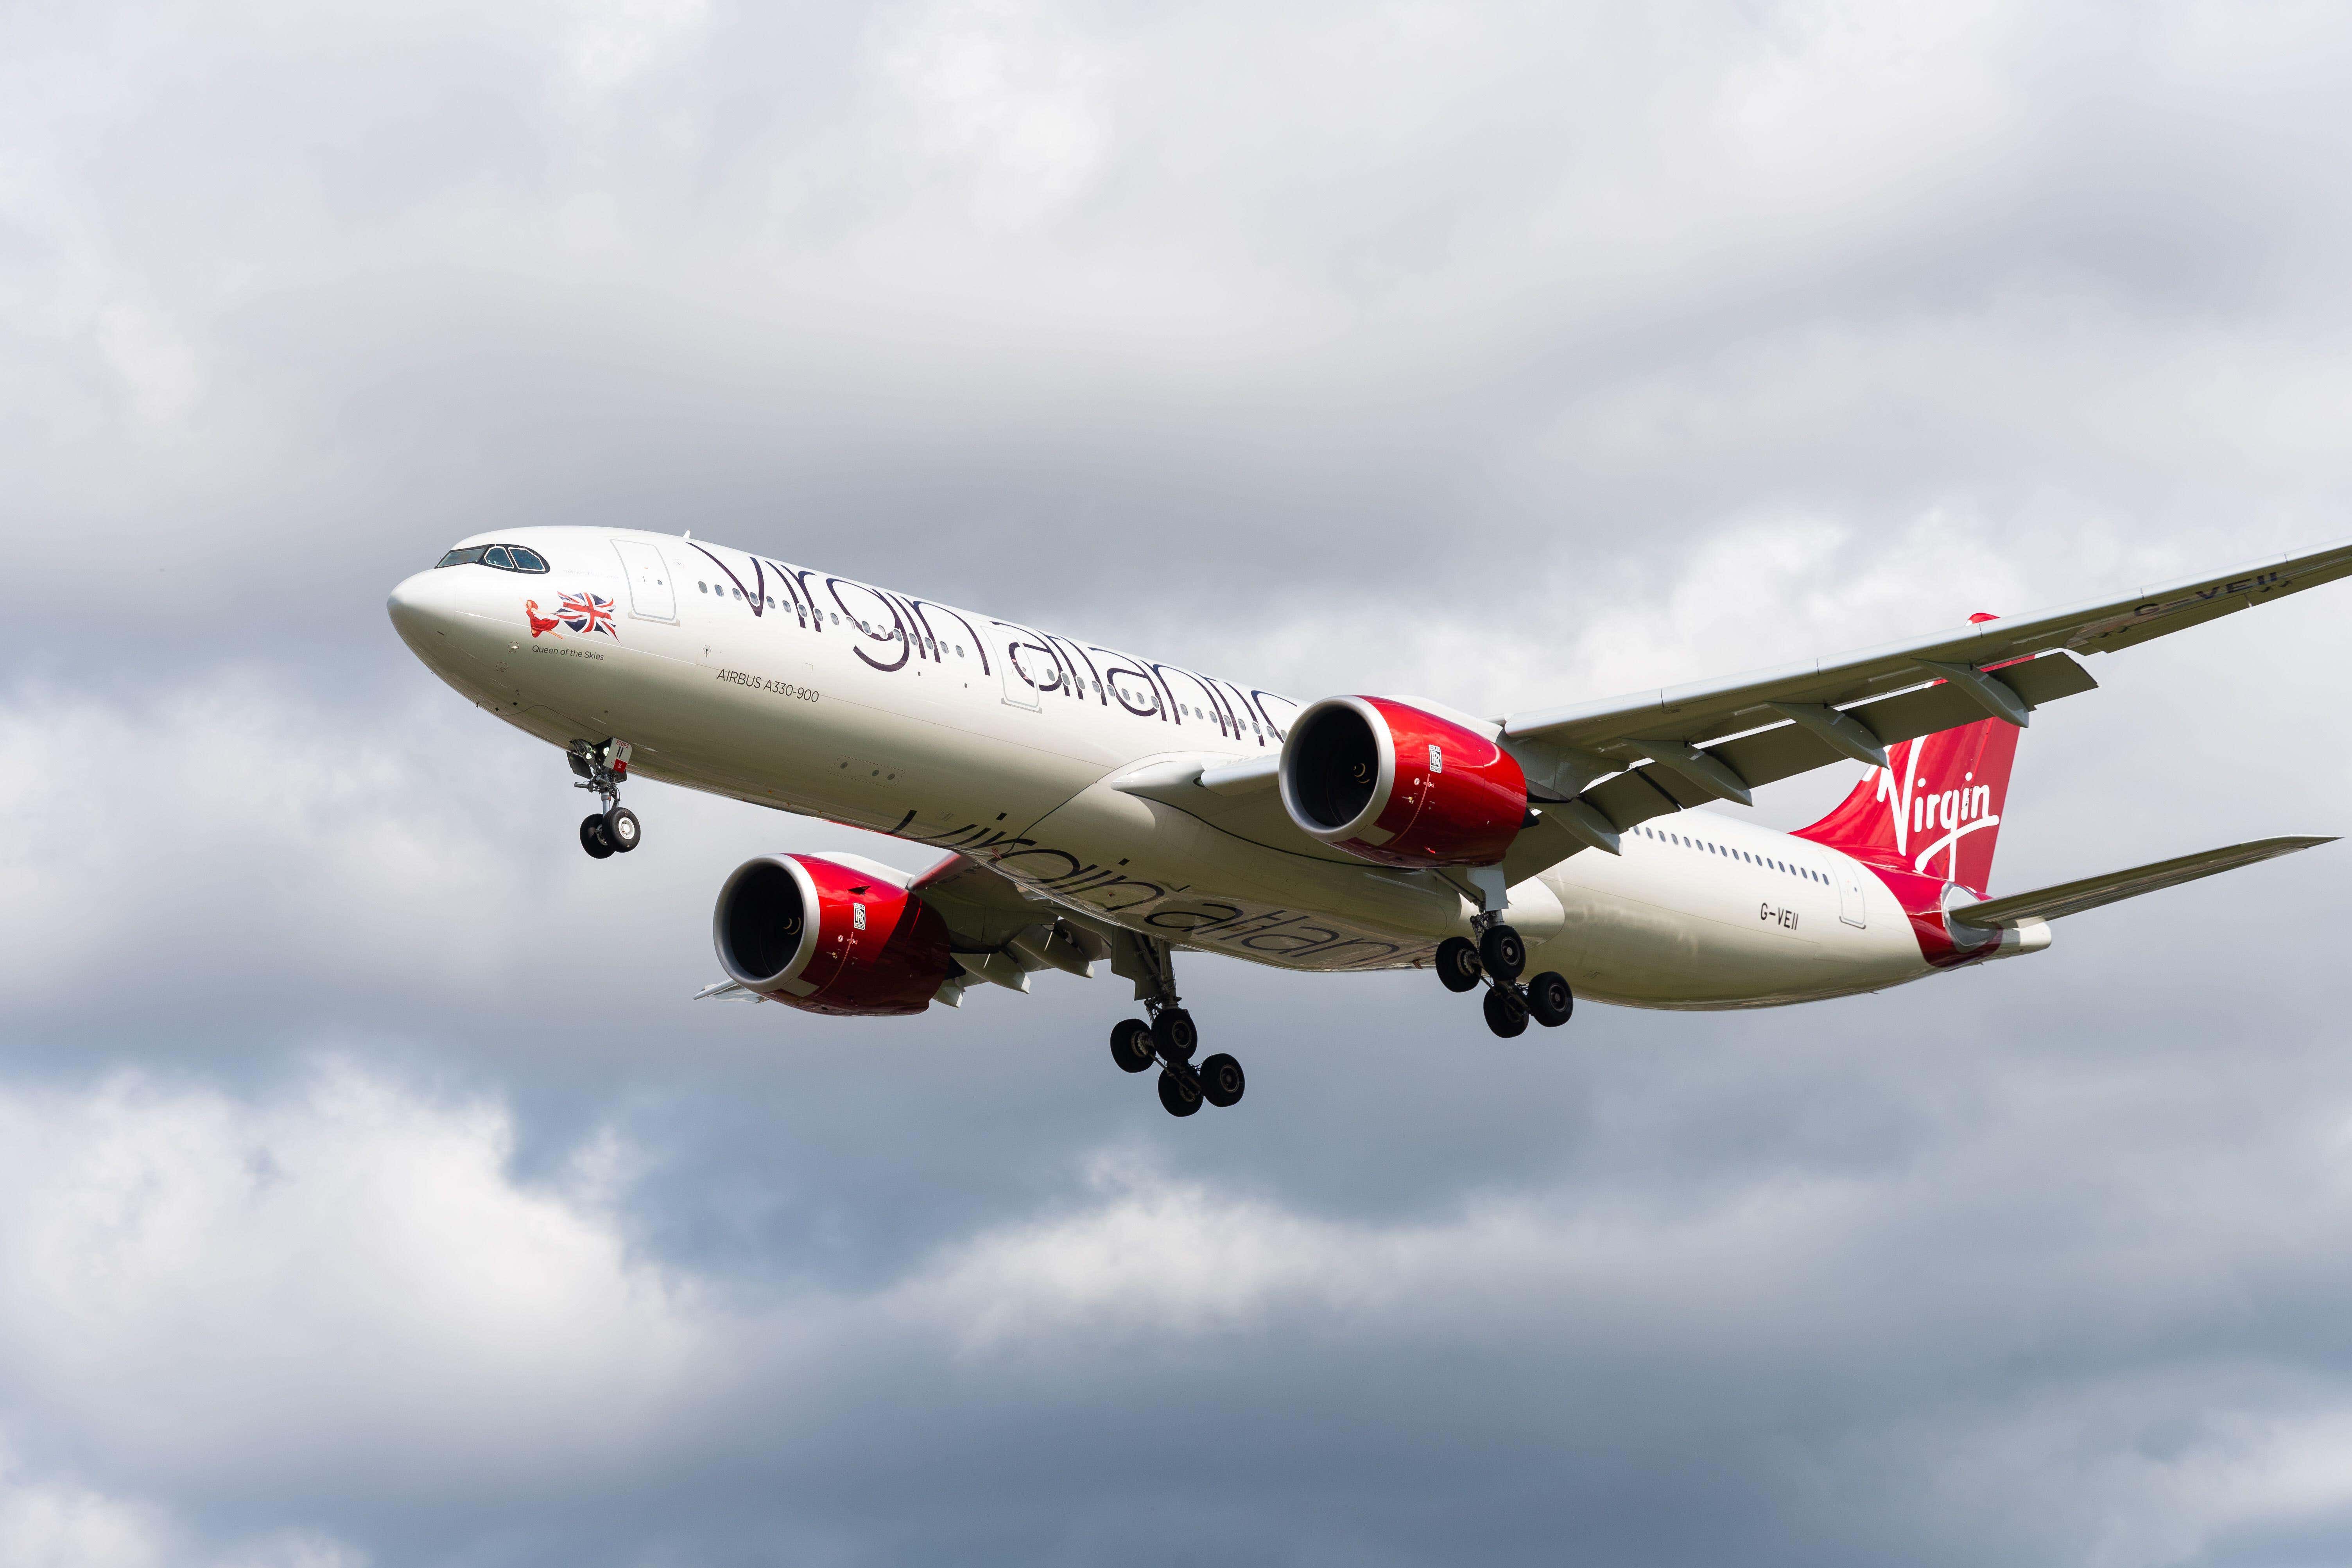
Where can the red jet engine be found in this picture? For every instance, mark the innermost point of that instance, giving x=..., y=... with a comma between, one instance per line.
x=827, y=937
x=1398, y=787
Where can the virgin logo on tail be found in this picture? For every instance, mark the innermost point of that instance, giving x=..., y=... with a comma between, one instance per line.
x=1935, y=811
x=1964, y=809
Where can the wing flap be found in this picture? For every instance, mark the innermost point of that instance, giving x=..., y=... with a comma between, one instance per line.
x=1767, y=756
x=1000, y=933
x=1770, y=755
x=2112, y=886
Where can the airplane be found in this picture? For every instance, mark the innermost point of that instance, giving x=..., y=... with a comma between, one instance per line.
x=1099, y=806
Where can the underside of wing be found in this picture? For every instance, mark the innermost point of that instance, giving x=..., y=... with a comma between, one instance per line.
x=1235, y=795
x=1004, y=935
x=2090, y=892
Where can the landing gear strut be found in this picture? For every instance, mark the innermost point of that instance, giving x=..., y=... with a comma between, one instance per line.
x=614, y=829
x=1497, y=958
x=1170, y=1038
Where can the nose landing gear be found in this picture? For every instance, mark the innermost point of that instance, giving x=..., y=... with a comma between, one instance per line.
x=614, y=829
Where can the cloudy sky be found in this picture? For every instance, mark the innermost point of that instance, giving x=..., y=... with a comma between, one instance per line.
x=370, y=1193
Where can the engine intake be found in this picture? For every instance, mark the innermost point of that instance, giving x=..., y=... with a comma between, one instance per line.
x=1396, y=786
x=828, y=938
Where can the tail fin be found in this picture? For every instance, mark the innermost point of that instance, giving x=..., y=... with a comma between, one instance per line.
x=1935, y=810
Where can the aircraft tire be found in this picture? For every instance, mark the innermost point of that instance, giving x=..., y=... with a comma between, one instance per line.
x=1222, y=1080
x=1503, y=953
x=1176, y=1036
x=1131, y=1045
x=1458, y=968
x=593, y=839
x=1550, y=999
x=1178, y=1097
x=621, y=829
x=1506, y=1014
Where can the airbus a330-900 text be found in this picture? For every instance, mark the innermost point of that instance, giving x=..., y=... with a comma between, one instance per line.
x=1097, y=808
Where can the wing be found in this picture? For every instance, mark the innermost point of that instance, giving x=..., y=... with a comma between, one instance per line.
x=2073, y=898
x=1611, y=764
x=1618, y=728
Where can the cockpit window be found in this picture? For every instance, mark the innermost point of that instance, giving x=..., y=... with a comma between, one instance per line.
x=505, y=557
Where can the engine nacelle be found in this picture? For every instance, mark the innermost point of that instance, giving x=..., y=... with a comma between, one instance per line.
x=817, y=934
x=1397, y=786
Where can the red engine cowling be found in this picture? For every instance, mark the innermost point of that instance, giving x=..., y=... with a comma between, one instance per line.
x=828, y=938
x=1398, y=787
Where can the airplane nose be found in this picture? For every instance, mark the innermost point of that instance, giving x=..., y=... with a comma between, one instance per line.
x=422, y=606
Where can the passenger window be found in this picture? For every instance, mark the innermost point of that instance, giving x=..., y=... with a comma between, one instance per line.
x=527, y=560
x=497, y=557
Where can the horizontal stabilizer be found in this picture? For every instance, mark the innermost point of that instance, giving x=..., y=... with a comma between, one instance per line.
x=2073, y=898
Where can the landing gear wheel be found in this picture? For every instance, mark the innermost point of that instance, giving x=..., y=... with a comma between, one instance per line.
x=1221, y=1081
x=1131, y=1045
x=1506, y=1014
x=591, y=836
x=1179, y=1096
x=621, y=829
x=1502, y=954
x=1550, y=999
x=1177, y=1037
x=1458, y=968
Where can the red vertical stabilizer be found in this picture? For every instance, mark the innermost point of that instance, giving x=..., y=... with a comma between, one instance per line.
x=1935, y=812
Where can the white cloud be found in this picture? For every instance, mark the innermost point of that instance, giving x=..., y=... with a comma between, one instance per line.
x=1003, y=98
x=54, y=1522
x=345, y=1276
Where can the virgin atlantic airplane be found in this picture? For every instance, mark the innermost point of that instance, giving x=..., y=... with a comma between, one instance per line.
x=1099, y=806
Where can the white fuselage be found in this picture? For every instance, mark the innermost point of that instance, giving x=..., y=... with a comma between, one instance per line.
x=971, y=733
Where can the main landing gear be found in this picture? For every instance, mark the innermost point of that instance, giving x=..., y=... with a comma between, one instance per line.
x=614, y=829
x=1169, y=1041
x=1498, y=958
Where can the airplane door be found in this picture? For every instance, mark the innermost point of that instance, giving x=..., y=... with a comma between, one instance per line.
x=1849, y=886
x=1023, y=688
x=652, y=598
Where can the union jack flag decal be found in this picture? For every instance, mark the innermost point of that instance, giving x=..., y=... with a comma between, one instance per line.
x=588, y=613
